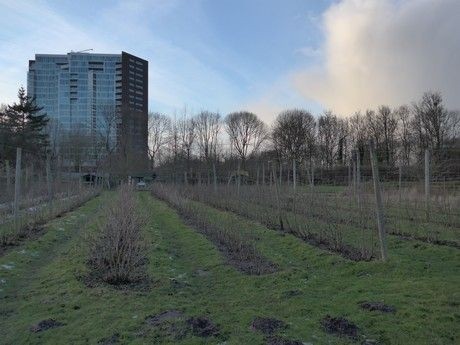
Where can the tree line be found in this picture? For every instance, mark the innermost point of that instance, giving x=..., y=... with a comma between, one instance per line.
x=400, y=135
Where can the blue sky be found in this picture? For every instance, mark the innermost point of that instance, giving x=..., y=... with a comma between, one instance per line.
x=259, y=55
x=218, y=55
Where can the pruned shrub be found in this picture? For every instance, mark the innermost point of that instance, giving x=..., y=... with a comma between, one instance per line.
x=117, y=251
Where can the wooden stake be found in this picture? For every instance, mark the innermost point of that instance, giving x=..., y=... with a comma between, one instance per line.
x=8, y=176
x=427, y=184
x=215, y=176
x=17, y=187
x=263, y=173
x=294, y=174
x=378, y=203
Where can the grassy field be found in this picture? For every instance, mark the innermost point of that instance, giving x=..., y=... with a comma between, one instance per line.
x=44, y=278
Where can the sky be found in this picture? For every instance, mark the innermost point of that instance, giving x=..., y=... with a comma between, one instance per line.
x=262, y=56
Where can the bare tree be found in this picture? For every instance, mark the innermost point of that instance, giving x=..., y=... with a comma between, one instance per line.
x=246, y=133
x=293, y=134
x=207, y=132
x=433, y=123
x=76, y=147
x=388, y=124
x=405, y=134
x=358, y=134
x=159, y=126
x=328, y=138
x=187, y=136
x=107, y=127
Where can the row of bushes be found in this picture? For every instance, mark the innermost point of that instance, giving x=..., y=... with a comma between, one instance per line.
x=317, y=219
x=29, y=221
x=238, y=247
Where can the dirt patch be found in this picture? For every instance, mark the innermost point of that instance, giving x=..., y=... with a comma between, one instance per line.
x=173, y=324
x=45, y=325
x=378, y=306
x=113, y=339
x=202, y=327
x=277, y=340
x=339, y=326
x=168, y=324
x=267, y=326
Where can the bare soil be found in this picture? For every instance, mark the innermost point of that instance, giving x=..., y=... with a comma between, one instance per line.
x=339, y=326
x=202, y=327
x=267, y=326
x=173, y=323
x=45, y=325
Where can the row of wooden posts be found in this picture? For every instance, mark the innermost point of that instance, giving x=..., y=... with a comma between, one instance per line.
x=356, y=184
x=18, y=185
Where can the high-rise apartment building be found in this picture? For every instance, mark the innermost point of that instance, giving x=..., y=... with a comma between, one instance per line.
x=97, y=94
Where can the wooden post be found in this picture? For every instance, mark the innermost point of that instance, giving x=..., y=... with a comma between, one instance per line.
x=48, y=177
x=271, y=177
x=400, y=183
x=427, y=184
x=378, y=203
x=288, y=175
x=281, y=173
x=354, y=176
x=349, y=175
x=215, y=176
x=79, y=178
x=278, y=203
x=263, y=173
x=8, y=176
x=17, y=187
x=238, y=181
x=312, y=174
x=358, y=171
x=294, y=174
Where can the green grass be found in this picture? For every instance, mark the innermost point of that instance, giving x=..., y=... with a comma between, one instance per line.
x=420, y=280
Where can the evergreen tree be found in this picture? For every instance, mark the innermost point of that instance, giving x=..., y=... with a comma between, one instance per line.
x=23, y=125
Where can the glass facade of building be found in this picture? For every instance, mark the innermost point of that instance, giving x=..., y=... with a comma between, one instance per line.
x=86, y=92
x=76, y=90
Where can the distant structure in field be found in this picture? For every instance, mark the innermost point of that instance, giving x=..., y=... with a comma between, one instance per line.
x=100, y=95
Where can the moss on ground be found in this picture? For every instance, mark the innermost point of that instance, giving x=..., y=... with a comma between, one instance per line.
x=41, y=280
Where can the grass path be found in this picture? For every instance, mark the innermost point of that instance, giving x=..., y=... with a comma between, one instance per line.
x=189, y=274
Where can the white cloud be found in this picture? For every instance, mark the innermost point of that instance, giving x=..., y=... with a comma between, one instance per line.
x=385, y=52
